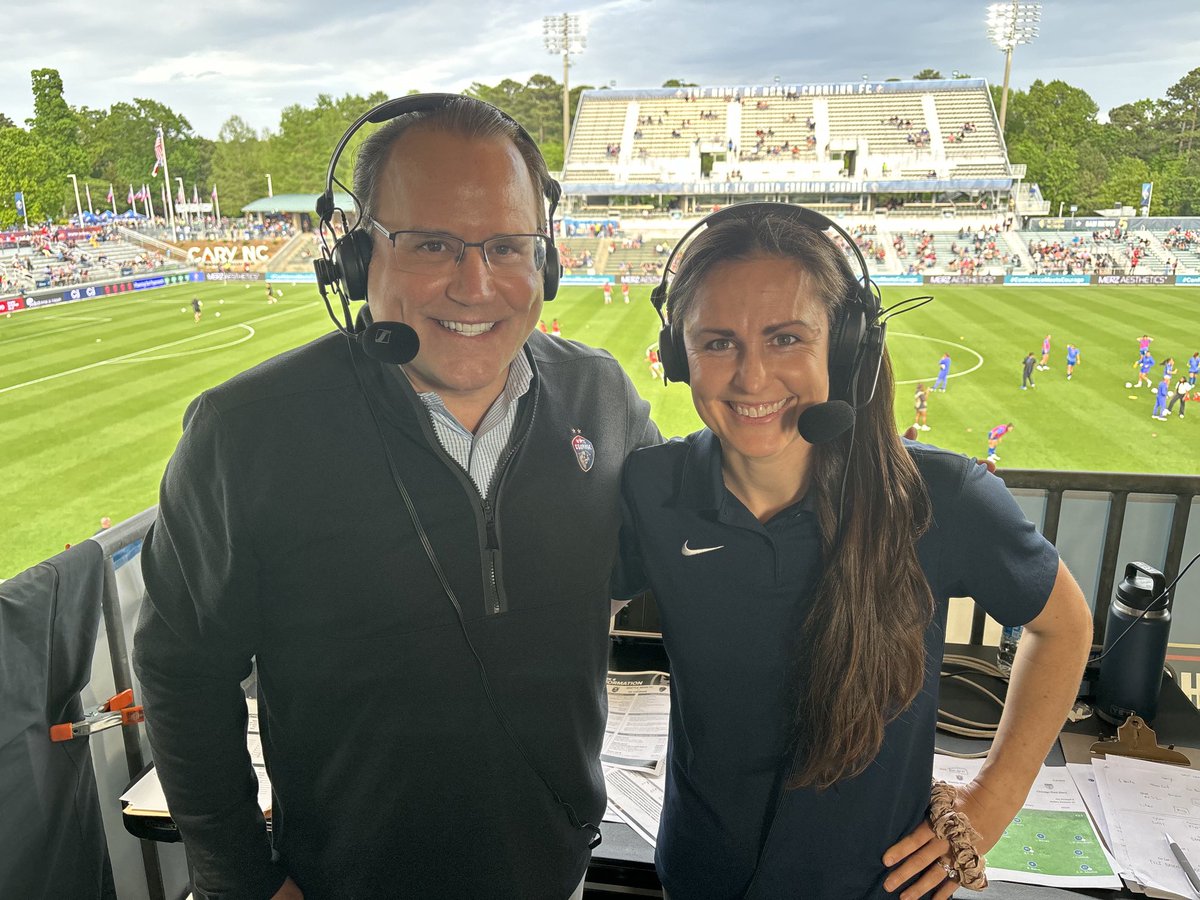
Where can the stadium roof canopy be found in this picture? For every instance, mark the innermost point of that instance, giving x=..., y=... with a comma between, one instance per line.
x=295, y=203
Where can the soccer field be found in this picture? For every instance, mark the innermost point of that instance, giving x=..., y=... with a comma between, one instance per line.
x=92, y=394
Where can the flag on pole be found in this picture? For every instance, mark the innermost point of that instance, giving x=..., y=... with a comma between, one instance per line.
x=129, y=199
x=160, y=153
x=195, y=194
x=109, y=198
x=216, y=204
x=182, y=195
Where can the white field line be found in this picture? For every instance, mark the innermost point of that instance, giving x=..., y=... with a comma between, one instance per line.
x=138, y=359
x=938, y=341
x=128, y=356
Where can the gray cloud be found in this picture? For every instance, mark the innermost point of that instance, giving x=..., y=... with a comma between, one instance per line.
x=208, y=61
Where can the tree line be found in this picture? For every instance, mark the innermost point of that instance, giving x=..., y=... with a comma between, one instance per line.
x=1052, y=128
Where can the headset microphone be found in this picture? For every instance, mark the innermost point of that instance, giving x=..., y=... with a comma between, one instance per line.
x=389, y=342
x=823, y=422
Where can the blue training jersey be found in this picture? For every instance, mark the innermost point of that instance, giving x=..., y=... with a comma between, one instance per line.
x=944, y=364
x=1072, y=356
x=1147, y=363
x=1194, y=365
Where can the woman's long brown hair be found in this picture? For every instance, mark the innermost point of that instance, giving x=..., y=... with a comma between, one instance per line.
x=865, y=634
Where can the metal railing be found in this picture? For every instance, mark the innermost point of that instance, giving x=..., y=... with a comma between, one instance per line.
x=1118, y=487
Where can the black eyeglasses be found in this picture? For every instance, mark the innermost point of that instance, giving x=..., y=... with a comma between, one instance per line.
x=433, y=253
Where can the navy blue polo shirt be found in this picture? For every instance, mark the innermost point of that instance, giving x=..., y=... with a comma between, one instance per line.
x=733, y=594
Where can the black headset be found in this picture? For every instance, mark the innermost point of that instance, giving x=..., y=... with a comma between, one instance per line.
x=857, y=334
x=343, y=263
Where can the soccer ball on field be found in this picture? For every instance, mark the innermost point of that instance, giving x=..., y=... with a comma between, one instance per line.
x=218, y=315
x=1129, y=384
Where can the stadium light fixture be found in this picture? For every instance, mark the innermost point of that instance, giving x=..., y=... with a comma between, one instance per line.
x=562, y=34
x=78, y=205
x=1010, y=24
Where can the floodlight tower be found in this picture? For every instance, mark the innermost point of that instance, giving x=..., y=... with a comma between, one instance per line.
x=562, y=34
x=1010, y=24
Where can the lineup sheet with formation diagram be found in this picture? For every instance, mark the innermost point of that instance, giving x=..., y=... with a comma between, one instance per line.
x=1094, y=824
x=1051, y=841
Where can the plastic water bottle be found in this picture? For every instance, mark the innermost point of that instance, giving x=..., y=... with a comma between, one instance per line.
x=1009, y=638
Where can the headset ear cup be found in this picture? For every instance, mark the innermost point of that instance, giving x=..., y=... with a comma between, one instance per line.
x=672, y=356
x=847, y=335
x=871, y=362
x=353, y=257
x=551, y=273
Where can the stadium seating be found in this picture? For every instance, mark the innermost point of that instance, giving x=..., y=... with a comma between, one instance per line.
x=63, y=263
x=956, y=109
x=855, y=119
x=914, y=131
x=1183, y=245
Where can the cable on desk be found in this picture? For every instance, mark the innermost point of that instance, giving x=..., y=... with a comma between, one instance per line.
x=968, y=727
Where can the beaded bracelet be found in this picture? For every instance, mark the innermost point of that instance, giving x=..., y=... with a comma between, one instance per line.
x=964, y=864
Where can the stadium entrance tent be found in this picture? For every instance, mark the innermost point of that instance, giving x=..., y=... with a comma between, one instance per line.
x=130, y=214
x=300, y=209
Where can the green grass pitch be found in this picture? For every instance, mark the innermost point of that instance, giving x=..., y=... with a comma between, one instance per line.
x=92, y=393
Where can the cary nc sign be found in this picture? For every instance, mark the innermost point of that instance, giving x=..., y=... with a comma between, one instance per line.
x=222, y=254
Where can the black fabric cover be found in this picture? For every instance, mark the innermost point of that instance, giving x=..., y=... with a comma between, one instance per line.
x=50, y=829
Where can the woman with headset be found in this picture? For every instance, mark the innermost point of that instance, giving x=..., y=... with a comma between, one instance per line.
x=802, y=556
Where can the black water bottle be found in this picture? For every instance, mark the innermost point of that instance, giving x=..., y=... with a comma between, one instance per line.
x=1132, y=667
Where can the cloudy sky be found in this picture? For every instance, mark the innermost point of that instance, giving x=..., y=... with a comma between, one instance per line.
x=212, y=59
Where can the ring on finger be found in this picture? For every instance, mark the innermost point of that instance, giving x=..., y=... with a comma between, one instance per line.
x=951, y=872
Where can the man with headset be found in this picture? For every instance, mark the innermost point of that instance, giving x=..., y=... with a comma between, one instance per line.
x=431, y=645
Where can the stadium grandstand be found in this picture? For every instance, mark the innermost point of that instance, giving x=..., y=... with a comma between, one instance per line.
x=61, y=257
x=838, y=147
x=917, y=171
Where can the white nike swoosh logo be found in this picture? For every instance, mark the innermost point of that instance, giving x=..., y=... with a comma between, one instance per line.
x=688, y=551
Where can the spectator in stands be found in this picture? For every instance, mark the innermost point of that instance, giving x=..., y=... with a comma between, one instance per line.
x=784, y=777
x=381, y=688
